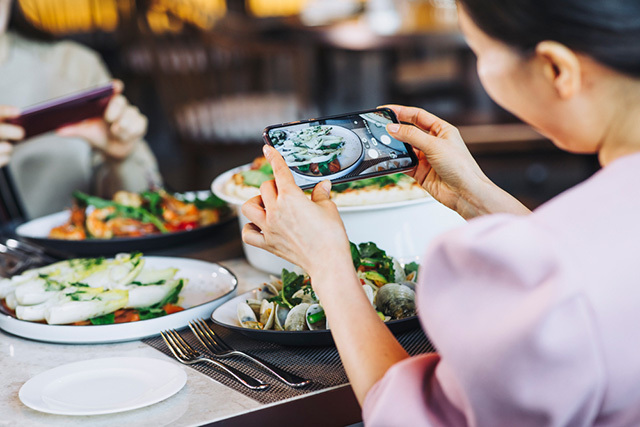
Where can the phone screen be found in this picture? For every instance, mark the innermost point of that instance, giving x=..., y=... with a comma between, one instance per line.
x=341, y=148
x=63, y=111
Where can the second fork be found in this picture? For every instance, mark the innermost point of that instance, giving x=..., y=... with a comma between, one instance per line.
x=219, y=348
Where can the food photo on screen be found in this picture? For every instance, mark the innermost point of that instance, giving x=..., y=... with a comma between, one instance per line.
x=341, y=148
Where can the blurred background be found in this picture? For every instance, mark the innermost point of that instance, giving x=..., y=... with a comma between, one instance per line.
x=211, y=74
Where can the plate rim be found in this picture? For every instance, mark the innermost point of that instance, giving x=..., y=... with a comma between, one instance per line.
x=36, y=331
x=218, y=184
x=175, y=377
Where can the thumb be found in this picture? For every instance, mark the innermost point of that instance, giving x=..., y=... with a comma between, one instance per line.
x=321, y=192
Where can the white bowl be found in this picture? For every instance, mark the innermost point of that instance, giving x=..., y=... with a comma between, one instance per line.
x=403, y=229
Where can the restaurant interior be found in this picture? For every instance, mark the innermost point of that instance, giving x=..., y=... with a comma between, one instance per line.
x=210, y=75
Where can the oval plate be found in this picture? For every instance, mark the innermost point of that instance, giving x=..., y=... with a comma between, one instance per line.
x=209, y=286
x=225, y=315
x=37, y=231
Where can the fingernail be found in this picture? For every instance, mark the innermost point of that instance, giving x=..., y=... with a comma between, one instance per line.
x=326, y=186
x=393, y=127
x=265, y=150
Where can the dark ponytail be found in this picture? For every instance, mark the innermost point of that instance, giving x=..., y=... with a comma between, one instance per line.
x=606, y=30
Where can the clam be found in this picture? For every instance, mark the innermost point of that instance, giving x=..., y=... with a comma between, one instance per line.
x=396, y=300
x=255, y=305
x=247, y=317
x=296, y=319
x=305, y=297
x=398, y=270
x=267, y=314
x=368, y=290
x=280, y=317
x=315, y=311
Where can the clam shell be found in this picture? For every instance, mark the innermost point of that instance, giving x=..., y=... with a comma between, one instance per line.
x=396, y=300
x=281, y=313
x=296, y=319
x=321, y=324
x=267, y=314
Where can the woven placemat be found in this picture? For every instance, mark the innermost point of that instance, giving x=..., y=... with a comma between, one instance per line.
x=321, y=365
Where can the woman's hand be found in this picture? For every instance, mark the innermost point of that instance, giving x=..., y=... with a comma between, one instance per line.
x=308, y=233
x=117, y=132
x=446, y=168
x=8, y=132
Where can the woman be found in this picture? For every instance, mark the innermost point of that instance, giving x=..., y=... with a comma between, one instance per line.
x=534, y=314
x=97, y=156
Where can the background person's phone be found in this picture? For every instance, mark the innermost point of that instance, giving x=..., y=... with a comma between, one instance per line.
x=58, y=112
x=341, y=148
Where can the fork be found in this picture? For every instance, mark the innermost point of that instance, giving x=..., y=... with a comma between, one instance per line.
x=188, y=355
x=219, y=348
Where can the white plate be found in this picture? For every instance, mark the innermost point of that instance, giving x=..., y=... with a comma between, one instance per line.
x=103, y=386
x=219, y=183
x=209, y=286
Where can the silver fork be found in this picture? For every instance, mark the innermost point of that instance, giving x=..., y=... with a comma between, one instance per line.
x=188, y=355
x=219, y=348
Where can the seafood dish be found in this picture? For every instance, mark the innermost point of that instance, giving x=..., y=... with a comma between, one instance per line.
x=92, y=291
x=245, y=184
x=138, y=214
x=290, y=304
x=313, y=150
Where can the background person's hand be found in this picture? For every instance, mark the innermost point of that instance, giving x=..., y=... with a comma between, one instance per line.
x=8, y=132
x=117, y=132
x=308, y=233
x=446, y=168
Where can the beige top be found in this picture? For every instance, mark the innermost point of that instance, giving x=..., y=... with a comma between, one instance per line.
x=48, y=168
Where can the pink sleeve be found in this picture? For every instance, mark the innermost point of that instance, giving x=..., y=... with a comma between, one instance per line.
x=515, y=336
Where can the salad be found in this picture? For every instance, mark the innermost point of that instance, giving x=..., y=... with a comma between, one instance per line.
x=92, y=291
x=313, y=150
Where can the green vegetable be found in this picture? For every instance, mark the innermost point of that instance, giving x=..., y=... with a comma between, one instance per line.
x=369, y=255
x=255, y=178
x=211, y=202
x=291, y=283
x=355, y=255
x=376, y=277
x=159, y=282
x=153, y=199
x=140, y=214
x=316, y=317
x=379, y=182
x=157, y=310
x=107, y=319
x=411, y=267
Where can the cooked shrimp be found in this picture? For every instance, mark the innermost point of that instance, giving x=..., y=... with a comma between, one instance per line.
x=68, y=232
x=97, y=223
x=129, y=227
x=128, y=199
x=176, y=211
x=208, y=216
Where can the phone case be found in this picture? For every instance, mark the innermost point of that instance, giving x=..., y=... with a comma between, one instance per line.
x=357, y=135
x=53, y=114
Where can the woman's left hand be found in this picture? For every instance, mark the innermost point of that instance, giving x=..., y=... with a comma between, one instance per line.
x=308, y=233
x=116, y=133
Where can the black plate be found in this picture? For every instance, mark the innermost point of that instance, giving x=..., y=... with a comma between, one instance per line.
x=302, y=338
x=97, y=247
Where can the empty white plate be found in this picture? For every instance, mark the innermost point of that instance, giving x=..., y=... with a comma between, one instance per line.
x=103, y=386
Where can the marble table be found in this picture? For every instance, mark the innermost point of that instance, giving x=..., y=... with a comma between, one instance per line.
x=202, y=401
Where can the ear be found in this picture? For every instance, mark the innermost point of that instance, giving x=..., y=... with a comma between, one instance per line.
x=561, y=67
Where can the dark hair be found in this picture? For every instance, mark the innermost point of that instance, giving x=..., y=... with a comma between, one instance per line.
x=606, y=30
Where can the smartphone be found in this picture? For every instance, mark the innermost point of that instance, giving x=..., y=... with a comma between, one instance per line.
x=58, y=112
x=341, y=148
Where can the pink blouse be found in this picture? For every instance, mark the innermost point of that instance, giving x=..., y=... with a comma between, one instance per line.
x=536, y=318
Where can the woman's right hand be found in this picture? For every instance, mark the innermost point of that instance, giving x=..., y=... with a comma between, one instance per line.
x=446, y=168
x=8, y=132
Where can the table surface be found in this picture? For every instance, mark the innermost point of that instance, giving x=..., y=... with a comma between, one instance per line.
x=202, y=401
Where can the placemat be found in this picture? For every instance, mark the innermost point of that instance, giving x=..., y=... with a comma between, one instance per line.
x=321, y=365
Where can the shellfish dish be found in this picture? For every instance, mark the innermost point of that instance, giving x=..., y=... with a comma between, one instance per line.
x=289, y=303
x=138, y=214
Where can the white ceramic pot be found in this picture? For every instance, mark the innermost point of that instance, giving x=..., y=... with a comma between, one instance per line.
x=402, y=229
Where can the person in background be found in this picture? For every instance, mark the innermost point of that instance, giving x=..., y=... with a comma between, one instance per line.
x=534, y=314
x=97, y=156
